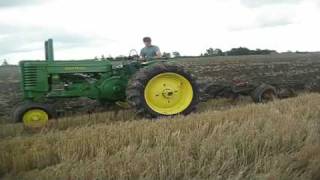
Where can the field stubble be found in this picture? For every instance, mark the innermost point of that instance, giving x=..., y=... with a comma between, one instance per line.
x=279, y=140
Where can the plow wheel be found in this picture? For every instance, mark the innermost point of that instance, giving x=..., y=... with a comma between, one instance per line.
x=162, y=90
x=264, y=93
x=33, y=115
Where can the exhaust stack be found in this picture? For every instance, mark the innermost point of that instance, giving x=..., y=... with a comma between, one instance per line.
x=49, y=50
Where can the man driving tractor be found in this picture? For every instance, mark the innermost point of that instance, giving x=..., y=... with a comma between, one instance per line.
x=149, y=51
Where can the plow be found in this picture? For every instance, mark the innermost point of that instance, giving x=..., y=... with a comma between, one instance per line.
x=155, y=88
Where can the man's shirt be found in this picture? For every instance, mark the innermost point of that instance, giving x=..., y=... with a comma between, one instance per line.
x=149, y=52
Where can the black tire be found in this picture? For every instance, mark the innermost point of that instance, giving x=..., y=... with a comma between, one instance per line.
x=20, y=109
x=137, y=84
x=264, y=93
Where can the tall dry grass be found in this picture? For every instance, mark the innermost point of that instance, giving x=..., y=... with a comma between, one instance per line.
x=279, y=140
x=109, y=117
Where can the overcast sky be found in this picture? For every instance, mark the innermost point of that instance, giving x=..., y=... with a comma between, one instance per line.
x=88, y=28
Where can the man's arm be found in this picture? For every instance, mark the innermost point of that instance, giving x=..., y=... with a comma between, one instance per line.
x=158, y=53
x=142, y=54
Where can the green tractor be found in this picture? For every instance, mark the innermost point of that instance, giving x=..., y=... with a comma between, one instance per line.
x=154, y=88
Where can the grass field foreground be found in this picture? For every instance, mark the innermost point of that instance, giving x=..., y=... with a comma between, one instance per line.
x=279, y=140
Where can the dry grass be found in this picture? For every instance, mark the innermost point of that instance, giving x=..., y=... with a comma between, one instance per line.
x=280, y=140
x=12, y=130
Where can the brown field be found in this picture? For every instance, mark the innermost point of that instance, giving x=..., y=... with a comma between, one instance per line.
x=297, y=71
x=225, y=139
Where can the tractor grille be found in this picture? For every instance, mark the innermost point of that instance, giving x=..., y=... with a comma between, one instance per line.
x=30, y=77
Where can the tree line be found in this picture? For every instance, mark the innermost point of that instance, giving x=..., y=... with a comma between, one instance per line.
x=208, y=53
x=237, y=52
x=233, y=52
x=4, y=62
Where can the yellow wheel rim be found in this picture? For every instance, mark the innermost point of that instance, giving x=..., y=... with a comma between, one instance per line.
x=168, y=93
x=35, y=118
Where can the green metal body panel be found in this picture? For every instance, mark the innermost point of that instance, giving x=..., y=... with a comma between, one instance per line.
x=95, y=79
x=64, y=79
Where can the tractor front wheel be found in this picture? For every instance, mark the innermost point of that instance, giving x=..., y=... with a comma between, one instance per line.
x=33, y=115
x=163, y=90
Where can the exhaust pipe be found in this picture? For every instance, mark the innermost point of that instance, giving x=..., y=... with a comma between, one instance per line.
x=49, y=54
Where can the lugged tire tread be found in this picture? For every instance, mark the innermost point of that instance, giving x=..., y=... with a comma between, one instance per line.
x=136, y=86
x=20, y=109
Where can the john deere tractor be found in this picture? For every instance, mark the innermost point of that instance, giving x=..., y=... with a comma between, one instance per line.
x=154, y=88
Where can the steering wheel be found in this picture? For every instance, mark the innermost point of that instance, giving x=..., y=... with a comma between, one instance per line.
x=133, y=55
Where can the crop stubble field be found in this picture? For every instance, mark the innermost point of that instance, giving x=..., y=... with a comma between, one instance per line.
x=225, y=139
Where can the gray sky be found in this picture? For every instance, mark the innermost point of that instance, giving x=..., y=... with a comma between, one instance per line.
x=88, y=28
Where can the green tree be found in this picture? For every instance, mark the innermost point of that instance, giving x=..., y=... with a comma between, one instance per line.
x=219, y=52
x=239, y=51
x=176, y=54
x=5, y=63
x=213, y=52
x=166, y=55
x=245, y=51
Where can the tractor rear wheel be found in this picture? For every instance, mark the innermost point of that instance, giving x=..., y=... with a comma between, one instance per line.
x=33, y=115
x=163, y=90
